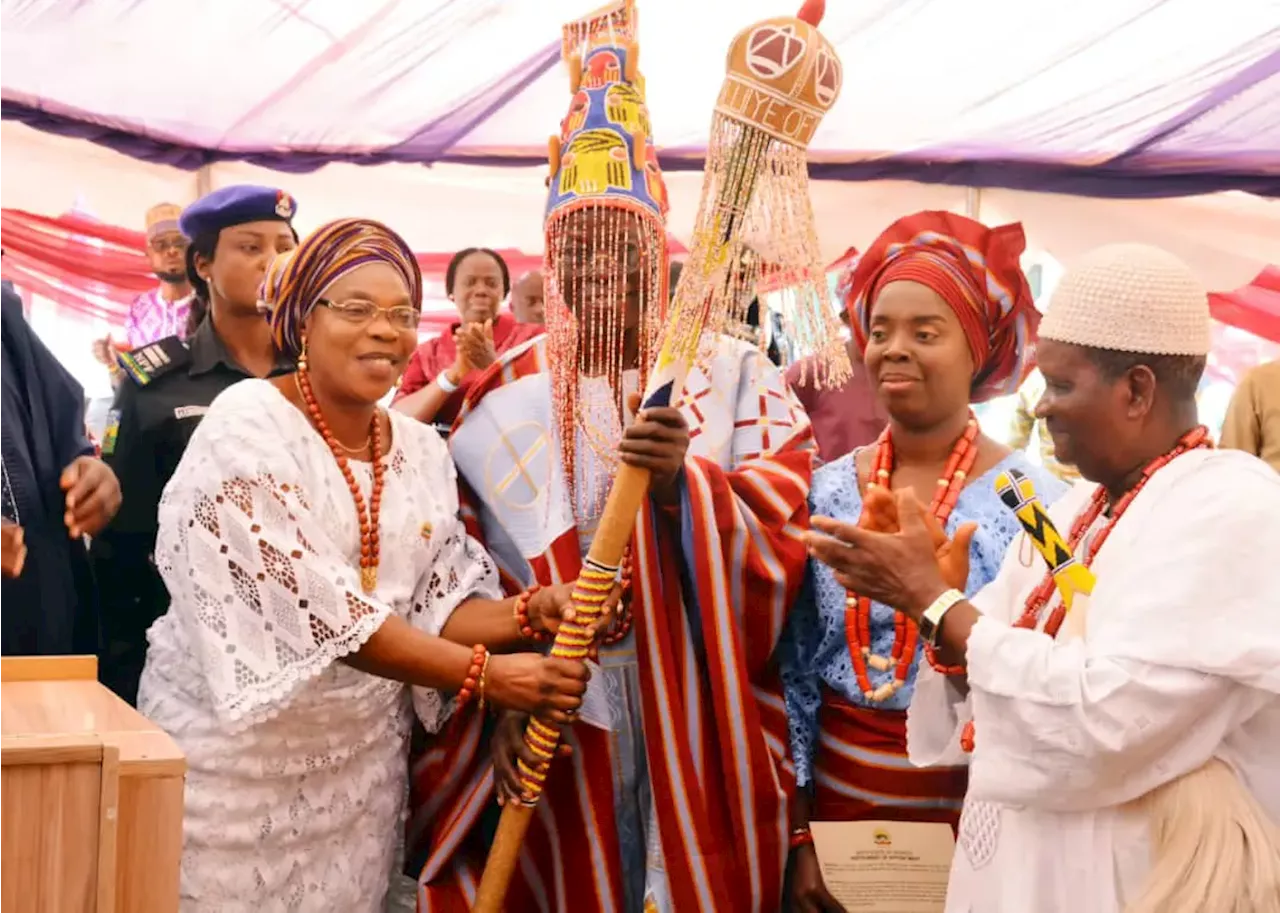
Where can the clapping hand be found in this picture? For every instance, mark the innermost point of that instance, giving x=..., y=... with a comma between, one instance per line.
x=476, y=350
x=899, y=569
x=880, y=514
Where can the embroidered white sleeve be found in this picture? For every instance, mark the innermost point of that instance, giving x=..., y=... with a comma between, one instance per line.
x=462, y=570
x=268, y=601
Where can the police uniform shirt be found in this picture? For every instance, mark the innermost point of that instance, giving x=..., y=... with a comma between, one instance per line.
x=156, y=410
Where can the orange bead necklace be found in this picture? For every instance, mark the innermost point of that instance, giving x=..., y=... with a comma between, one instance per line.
x=1194, y=439
x=857, y=613
x=368, y=517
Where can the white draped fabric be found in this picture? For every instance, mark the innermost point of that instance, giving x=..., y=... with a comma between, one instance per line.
x=1179, y=663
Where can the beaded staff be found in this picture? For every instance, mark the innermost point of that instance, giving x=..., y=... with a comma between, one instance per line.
x=607, y=246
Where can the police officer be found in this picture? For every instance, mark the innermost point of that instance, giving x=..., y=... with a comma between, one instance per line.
x=235, y=232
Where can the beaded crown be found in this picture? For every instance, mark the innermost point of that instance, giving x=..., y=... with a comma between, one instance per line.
x=605, y=262
x=604, y=151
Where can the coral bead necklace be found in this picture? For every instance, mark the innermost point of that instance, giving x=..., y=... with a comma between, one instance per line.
x=857, y=614
x=1194, y=439
x=369, y=549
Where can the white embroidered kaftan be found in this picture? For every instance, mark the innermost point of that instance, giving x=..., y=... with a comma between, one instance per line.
x=1179, y=664
x=296, y=762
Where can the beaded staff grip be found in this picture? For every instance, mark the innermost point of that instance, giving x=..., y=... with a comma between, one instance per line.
x=590, y=592
x=1018, y=493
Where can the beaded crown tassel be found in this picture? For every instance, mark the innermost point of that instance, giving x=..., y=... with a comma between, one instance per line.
x=606, y=247
x=755, y=217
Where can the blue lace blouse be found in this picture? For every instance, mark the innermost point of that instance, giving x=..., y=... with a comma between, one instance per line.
x=814, y=652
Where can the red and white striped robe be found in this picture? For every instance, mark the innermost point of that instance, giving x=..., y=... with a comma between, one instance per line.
x=713, y=718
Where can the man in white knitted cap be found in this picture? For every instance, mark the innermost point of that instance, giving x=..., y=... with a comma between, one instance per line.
x=1124, y=752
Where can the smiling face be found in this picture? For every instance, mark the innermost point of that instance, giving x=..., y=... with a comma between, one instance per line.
x=1095, y=420
x=240, y=261
x=478, y=287
x=917, y=355
x=351, y=359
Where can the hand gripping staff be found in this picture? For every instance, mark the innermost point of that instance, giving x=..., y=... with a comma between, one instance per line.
x=783, y=76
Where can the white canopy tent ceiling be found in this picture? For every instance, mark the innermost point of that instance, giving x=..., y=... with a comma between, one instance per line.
x=1159, y=106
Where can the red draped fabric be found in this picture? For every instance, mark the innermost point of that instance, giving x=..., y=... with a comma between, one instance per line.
x=97, y=269
x=77, y=262
x=715, y=732
x=1254, y=307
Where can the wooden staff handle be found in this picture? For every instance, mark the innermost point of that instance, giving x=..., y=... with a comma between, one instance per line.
x=626, y=498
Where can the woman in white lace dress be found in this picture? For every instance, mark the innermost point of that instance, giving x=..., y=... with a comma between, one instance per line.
x=316, y=563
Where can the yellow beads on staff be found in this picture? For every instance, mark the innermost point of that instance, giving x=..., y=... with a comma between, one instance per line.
x=1018, y=493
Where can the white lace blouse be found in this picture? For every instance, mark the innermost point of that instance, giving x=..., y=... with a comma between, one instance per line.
x=296, y=762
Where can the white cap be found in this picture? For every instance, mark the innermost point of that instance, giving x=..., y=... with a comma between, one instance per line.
x=1130, y=298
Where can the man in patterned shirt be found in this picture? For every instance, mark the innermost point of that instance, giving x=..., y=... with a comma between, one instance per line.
x=162, y=311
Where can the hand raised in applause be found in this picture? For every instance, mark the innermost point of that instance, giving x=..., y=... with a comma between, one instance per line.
x=880, y=514
x=475, y=343
x=898, y=569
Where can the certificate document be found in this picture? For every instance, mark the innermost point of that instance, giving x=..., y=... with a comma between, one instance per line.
x=885, y=866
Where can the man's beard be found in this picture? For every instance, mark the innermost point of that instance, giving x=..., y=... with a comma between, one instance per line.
x=173, y=278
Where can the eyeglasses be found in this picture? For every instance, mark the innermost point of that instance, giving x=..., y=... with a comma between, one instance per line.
x=362, y=313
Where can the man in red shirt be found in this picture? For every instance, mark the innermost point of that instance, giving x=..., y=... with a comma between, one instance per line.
x=441, y=370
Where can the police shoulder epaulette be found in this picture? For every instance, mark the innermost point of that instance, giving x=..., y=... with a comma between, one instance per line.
x=156, y=359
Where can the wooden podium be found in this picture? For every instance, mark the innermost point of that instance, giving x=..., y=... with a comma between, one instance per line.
x=92, y=795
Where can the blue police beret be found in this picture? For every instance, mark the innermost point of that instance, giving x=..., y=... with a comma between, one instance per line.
x=236, y=205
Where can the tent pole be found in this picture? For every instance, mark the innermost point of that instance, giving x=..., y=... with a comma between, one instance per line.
x=204, y=181
x=973, y=203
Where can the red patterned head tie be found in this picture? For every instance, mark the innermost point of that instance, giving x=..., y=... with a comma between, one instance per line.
x=977, y=271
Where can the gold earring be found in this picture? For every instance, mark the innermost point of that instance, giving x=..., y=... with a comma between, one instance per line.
x=302, y=356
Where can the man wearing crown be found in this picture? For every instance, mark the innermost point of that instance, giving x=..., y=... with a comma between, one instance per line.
x=671, y=797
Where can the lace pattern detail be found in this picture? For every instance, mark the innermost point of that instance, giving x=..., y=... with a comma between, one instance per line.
x=296, y=763
x=814, y=651
x=980, y=832
x=462, y=570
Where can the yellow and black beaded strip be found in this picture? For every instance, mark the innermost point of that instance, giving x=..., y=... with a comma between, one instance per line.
x=1018, y=493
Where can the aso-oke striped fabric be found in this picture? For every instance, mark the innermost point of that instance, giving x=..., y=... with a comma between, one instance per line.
x=713, y=717
x=977, y=271
x=325, y=256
